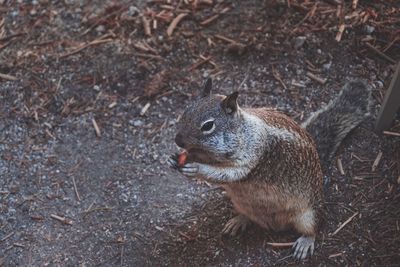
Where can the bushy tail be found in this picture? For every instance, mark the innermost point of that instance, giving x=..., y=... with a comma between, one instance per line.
x=330, y=125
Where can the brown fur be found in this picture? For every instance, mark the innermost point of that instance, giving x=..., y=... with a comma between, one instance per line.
x=285, y=185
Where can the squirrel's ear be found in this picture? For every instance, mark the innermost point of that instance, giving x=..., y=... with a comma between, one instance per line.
x=207, y=88
x=229, y=104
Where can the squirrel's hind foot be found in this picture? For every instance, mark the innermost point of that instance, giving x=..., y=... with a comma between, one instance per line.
x=236, y=223
x=302, y=245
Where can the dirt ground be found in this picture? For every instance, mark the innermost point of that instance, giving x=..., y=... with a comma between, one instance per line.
x=71, y=196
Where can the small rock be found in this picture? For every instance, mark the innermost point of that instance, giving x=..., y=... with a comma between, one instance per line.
x=369, y=29
x=96, y=88
x=133, y=11
x=136, y=123
x=299, y=42
x=100, y=28
x=33, y=12
x=327, y=66
x=14, y=189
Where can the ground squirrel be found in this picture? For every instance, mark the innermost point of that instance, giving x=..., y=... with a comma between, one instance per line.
x=267, y=163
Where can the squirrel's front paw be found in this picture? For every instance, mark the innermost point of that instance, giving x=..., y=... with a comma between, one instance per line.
x=188, y=169
x=173, y=161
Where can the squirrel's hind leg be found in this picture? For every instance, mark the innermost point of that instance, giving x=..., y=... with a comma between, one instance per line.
x=305, y=224
x=233, y=225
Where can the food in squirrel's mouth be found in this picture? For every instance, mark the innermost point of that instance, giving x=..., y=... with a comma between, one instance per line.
x=182, y=158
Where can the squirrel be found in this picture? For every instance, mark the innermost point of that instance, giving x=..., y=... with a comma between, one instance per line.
x=269, y=165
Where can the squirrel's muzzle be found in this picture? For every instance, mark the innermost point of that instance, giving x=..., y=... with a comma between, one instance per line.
x=179, y=140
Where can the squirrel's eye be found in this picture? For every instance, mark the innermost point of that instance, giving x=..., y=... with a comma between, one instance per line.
x=208, y=126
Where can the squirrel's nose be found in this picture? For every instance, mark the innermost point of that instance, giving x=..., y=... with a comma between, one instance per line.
x=179, y=140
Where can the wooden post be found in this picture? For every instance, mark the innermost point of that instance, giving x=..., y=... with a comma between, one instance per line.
x=391, y=103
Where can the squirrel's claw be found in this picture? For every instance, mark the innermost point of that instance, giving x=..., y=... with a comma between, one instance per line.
x=301, y=247
x=233, y=225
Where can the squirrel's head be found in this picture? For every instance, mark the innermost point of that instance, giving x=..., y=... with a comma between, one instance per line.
x=210, y=127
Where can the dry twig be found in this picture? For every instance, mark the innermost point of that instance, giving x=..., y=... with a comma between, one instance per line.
x=144, y=109
x=376, y=161
x=80, y=48
x=316, y=78
x=96, y=127
x=344, y=224
x=61, y=219
x=199, y=63
x=383, y=55
x=174, y=23
x=146, y=26
x=8, y=77
x=340, y=166
x=76, y=189
x=280, y=245
x=391, y=133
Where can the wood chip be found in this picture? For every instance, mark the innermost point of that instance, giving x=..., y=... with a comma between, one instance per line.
x=61, y=219
x=96, y=127
x=376, y=161
x=144, y=109
x=280, y=245
x=340, y=166
x=174, y=23
x=316, y=78
x=8, y=77
x=113, y=104
x=340, y=33
x=344, y=224
x=146, y=26
x=156, y=84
